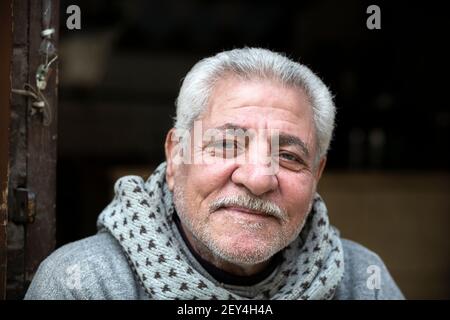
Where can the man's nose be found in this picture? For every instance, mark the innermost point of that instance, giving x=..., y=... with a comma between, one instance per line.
x=258, y=179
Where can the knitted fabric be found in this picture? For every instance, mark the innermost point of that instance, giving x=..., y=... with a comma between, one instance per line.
x=140, y=218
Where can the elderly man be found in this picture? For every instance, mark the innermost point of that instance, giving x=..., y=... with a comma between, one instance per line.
x=233, y=213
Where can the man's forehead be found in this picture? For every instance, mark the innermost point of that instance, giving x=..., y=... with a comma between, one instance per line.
x=263, y=94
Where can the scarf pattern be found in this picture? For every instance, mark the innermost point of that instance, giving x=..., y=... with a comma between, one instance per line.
x=140, y=218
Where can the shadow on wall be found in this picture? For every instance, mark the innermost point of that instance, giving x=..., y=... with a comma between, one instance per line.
x=404, y=218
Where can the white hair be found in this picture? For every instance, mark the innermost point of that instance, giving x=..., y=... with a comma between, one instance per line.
x=256, y=63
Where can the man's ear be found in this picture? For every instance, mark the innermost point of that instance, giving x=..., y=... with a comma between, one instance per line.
x=170, y=148
x=320, y=167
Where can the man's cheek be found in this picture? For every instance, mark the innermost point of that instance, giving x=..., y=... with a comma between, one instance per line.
x=213, y=175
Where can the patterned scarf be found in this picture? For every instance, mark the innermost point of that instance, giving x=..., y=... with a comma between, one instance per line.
x=140, y=218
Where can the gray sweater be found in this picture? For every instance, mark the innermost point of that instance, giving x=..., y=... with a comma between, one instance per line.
x=96, y=268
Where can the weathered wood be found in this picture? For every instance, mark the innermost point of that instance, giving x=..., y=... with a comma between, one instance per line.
x=20, y=23
x=31, y=155
x=17, y=149
x=5, y=88
x=41, y=162
x=17, y=170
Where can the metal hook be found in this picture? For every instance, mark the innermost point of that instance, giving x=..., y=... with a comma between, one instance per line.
x=43, y=73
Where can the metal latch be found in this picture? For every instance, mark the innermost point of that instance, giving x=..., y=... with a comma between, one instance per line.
x=25, y=211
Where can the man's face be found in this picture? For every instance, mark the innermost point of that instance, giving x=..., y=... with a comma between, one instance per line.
x=236, y=232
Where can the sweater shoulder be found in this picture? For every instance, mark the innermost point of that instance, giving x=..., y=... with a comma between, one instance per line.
x=97, y=247
x=91, y=268
x=366, y=277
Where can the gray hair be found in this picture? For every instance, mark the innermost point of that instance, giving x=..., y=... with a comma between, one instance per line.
x=255, y=63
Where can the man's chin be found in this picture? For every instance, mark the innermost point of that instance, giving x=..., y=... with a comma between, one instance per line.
x=244, y=230
x=243, y=250
x=245, y=258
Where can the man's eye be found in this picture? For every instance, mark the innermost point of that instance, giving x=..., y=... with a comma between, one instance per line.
x=224, y=145
x=224, y=148
x=229, y=144
x=291, y=161
x=288, y=156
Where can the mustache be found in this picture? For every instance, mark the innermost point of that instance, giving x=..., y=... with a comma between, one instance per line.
x=251, y=203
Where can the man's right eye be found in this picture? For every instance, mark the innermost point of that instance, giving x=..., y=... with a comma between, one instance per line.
x=228, y=144
x=224, y=148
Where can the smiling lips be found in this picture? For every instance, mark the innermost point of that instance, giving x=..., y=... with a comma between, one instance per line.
x=245, y=210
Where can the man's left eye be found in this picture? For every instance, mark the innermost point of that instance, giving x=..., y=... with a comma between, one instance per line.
x=288, y=156
x=291, y=161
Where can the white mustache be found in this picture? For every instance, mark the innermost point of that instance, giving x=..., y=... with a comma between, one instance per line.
x=252, y=203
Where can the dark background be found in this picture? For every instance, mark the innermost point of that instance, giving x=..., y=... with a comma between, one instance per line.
x=120, y=75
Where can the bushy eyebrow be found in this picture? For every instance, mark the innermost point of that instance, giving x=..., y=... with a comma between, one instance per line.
x=284, y=139
x=230, y=126
x=289, y=140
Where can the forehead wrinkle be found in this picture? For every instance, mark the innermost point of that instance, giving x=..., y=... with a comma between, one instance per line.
x=232, y=93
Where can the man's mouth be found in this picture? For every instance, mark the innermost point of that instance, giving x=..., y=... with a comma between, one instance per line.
x=249, y=206
x=245, y=211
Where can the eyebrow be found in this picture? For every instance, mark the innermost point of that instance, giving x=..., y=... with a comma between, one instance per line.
x=230, y=126
x=284, y=139
x=289, y=140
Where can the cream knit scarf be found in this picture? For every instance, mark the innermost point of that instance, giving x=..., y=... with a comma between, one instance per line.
x=140, y=218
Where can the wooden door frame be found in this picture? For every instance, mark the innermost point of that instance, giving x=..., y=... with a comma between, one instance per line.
x=28, y=152
x=5, y=89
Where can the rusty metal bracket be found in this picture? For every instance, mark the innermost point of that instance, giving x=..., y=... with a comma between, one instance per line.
x=25, y=206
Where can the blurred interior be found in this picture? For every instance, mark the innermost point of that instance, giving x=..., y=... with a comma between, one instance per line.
x=387, y=178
